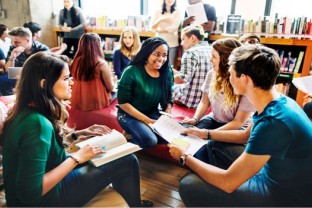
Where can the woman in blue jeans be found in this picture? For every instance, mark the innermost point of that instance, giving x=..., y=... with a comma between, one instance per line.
x=144, y=86
x=36, y=170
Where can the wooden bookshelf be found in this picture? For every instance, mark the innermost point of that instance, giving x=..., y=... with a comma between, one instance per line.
x=306, y=65
x=102, y=32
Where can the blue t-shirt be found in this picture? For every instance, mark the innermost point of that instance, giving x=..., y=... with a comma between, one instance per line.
x=2, y=56
x=284, y=132
x=120, y=62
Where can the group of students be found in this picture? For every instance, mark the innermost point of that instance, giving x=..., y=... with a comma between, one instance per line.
x=266, y=161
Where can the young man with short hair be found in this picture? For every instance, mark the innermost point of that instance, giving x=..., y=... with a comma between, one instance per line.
x=276, y=167
x=23, y=47
x=195, y=65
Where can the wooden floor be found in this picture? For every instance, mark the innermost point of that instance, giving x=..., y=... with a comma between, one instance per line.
x=160, y=181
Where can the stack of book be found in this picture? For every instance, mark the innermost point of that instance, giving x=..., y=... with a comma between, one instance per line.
x=105, y=23
x=288, y=63
x=283, y=27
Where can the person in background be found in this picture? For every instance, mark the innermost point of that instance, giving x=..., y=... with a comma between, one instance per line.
x=249, y=38
x=166, y=22
x=144, y=86
x=130, y=44
x=23, y=47
x=210, y=13
x=2, y=62
x=5, y=41
x=276, y=166
x=36, y=170
x=91, y=74
x=72, y=23
x=35, y=29
x=194, y=67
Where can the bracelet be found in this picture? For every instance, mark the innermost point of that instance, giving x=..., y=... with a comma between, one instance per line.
x=196, y=120
x=11, y=59
x=77, y=161
x=74, y=136
x=208, y=135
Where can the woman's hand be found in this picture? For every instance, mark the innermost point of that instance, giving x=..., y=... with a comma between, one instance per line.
x=88, y=152
x=167, y=20
x=176, y=151
x=95, y=130
x=148, y=121
x=191, y=121
x=201, y=133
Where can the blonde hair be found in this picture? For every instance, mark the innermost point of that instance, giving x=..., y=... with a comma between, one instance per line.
x=136, y=43
x=196, y=30
x=221, y=79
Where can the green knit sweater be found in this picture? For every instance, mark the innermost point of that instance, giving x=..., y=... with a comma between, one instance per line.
x=139, y=89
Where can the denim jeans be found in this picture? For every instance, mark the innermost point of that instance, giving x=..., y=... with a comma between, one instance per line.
x=219, y=154
x=207, y=122
x=195, y=192
x=140, y=133
x=86, y=181
x=6, y=85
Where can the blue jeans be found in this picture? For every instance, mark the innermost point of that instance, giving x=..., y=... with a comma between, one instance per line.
x=6, y=85
x=86, y=181
x=219, y=154
x=207, y=122
x=140, y=133
x=195, y=192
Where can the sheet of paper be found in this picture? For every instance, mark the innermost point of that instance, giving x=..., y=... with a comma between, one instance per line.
x=198, y=11
x=170, y=130
x=303, y=84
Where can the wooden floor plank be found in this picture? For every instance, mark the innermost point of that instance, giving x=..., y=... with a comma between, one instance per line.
x=160, y=189
x=156, y=203
x=163, y=199
x=159, y=164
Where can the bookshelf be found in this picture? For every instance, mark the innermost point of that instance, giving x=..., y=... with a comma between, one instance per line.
x=302, y=44
x=305, y=45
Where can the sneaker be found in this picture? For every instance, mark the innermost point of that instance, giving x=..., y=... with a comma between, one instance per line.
x=126, y=135
x=146, y=203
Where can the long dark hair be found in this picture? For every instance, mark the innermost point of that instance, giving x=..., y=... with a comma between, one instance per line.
x=41, y=65
x=147, y=49
x=73, y=13
x=172, y=9
x=86, y=57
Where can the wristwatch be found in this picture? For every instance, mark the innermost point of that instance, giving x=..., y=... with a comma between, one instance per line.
x=182, y=159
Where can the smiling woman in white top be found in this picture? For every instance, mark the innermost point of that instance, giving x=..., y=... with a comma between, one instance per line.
x=166, y=23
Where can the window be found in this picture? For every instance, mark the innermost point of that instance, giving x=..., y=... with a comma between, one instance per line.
x=291, y=8
x=250, y=10
x=117, y=9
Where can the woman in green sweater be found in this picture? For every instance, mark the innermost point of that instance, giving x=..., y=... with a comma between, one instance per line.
x=145, y=85
x=36, y=170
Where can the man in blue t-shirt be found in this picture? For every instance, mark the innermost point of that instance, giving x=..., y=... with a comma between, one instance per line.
x=276, y=167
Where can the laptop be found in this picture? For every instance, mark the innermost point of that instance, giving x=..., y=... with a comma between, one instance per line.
x=14, y=72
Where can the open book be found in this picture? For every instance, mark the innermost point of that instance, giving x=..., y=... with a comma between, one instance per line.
x=170, y=130
x=115, y=145
x=303, y=84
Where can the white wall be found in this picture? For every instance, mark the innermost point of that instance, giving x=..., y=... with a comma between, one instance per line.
x=39, y=11
x=250, y=9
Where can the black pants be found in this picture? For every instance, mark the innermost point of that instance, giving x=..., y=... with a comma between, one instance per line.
x=71, y=42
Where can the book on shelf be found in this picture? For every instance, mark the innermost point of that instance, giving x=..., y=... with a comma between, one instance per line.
x=114, y=144
x=298, y=63
x=170, y=130
x=283, y=88
x=233, y=24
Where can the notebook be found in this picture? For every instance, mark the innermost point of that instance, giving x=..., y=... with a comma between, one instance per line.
x=13, y=72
